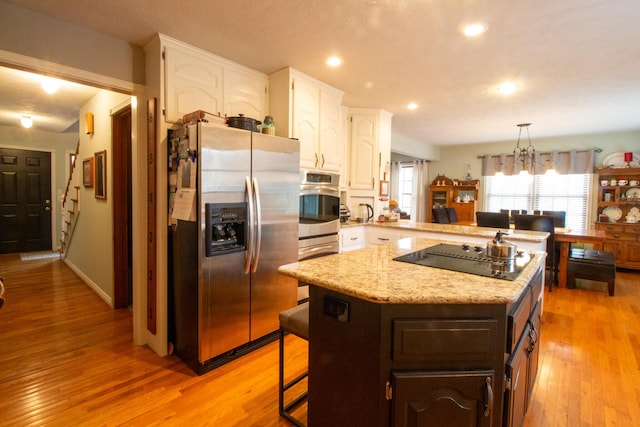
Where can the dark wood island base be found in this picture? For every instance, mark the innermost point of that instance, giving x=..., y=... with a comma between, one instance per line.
x=381, y=364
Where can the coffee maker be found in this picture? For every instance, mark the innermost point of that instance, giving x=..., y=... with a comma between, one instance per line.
x=345, y=213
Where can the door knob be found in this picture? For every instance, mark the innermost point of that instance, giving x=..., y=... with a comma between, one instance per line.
x=48, y=202
x=47, y=209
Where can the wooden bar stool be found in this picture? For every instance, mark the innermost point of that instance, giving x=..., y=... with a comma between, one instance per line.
x=295, y=321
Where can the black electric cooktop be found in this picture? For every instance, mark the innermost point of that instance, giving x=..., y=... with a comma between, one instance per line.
x=467, y=258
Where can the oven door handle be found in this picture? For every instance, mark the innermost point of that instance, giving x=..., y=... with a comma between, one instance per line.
x=317, y=251
x=258, y=225
x=248, y=255
x=319, y=191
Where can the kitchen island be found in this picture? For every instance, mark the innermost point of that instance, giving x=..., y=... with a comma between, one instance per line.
x=393, y=343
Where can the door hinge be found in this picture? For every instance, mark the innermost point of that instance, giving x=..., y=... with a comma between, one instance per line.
x=388, y=393
x=507, y=383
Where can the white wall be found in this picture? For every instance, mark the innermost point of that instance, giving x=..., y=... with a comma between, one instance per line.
x=39, y=36
x=91, y=248
x=58, y=144
x=412, y=148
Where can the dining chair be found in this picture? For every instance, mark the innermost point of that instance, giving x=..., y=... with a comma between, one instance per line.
x=559, y=217
x=452, y=215
x=542, y=223
x=440, y=215
x=512, y=212
x=492, y=219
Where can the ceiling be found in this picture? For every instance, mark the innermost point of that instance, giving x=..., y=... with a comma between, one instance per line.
x=576, y=62
x=21, y=94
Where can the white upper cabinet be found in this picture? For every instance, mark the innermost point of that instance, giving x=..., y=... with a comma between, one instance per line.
x=311, y=111
x=331, y=145
x=363, y=151
x=305, y=117
x=370, y=147
x=245, y=93
x=198, y=80
x=192, y=82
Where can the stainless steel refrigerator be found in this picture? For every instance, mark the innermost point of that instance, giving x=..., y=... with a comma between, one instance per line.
x=227, y=293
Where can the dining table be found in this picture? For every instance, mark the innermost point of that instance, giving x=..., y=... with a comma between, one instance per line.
x=565, y=237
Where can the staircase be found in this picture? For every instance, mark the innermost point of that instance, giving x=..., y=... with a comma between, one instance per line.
x=70, y=205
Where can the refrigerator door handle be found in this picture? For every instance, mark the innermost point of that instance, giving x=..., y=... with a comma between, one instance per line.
x=258, y=225
x=248, y=255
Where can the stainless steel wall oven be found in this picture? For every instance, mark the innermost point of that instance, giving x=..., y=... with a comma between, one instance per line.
x=319, y=220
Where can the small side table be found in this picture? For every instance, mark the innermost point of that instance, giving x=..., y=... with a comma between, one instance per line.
x=591, y=265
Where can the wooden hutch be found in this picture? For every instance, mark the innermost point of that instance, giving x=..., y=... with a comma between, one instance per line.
x=456, y=193
x=621, y=205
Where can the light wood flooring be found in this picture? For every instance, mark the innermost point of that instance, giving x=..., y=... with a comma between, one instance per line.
x=68, y=359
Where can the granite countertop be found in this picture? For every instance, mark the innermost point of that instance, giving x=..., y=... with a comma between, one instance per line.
x=371, y=274
x=468, y=230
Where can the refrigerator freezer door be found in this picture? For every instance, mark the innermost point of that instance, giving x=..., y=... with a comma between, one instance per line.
x=224, y=305
x=276, y=167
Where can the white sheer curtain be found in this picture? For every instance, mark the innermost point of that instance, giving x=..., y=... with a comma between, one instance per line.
x=420, y=189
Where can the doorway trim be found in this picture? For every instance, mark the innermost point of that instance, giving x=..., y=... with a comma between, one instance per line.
x=138, y=133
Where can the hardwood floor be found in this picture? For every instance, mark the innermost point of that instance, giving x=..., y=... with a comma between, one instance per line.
x=68, y=359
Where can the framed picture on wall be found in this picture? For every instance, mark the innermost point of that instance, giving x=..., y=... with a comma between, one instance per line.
x=87, y=172
x=101, y=174
x=384, y=188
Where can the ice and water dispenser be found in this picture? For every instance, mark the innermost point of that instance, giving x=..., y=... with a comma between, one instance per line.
x=225, y=228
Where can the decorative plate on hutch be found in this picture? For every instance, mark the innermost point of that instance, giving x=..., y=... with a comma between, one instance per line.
x=613, y=212
x=616, y=160
x=633, y=194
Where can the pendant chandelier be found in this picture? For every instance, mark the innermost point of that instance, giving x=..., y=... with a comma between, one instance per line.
x=524, y=158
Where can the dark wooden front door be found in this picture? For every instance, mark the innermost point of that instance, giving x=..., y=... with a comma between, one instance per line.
x=25, y=201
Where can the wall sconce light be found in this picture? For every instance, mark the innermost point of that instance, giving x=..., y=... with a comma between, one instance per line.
x=26, y=121
x=88, y=122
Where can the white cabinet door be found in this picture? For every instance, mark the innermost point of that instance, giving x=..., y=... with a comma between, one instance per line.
x=306, y=121
x=244, y=93
x=363, y=152
x=331, y=144
x=192, y=82
x=378, y=236
x=352, y=238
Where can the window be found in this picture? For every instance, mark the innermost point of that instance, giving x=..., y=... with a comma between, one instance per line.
x=405, y=187
x=551, y=192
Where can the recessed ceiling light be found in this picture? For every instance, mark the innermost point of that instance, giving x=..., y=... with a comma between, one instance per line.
x=475, y=29
x=26, y=121
x=334, y=61
x=506, y=88
x=412, y=106
x=50, y=85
